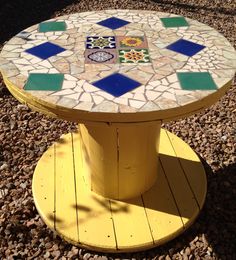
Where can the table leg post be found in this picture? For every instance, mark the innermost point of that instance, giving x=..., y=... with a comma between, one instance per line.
x=121, y=159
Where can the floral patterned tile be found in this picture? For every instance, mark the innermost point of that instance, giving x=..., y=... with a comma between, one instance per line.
x=139, y=42
x=134, y=56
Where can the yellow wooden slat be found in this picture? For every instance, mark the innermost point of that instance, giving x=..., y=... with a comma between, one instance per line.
x=138, y=159
x=192, y=167
x=65, y=199
x=182, y=193
x=161, y=210
x=94, y=215
x=43, y=187
x=131, y=225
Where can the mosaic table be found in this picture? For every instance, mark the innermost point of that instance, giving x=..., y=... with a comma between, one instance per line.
x=121, y=183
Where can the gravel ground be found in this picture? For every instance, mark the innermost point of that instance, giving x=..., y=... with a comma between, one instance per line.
x=25, y=135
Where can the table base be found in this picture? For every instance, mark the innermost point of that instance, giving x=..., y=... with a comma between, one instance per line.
x=80, y=216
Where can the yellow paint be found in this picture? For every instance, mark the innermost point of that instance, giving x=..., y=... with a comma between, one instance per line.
x=100, y=149
x=93, y=211
x=191, y=167
x=122, y=157
x=76, y=115
x=66, y=217
x=184, y=197
x=138, y=161
x=121, y=226
x=162, y=213
x=43, y=187
x=131, y=225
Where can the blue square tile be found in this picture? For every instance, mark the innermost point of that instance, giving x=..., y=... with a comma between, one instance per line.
x=113, y=23
x=45, y=50
x=116, y=84
x=185, y=47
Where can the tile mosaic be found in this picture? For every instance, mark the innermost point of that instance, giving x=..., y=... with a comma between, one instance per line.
x=152, y=95
x=196, y=81
x=100, y=42
x=63, y=92
x=185, y=47
x=44, y=82
x=45, y=50
x=24, y=35
x=121, y=101
x=97, y=99
x=100, y=56
x=84, y=106
x=134, y=56
x=136, y=103
x=116, y=84
x=106, y=106
x=139, y=42
x=89, y=88
x=74, y=96
x=164, y=90
x=170, y=22
x=68, y=84
x=67, y=102
x=113, y=23
x=150, y=106
x=106, y=95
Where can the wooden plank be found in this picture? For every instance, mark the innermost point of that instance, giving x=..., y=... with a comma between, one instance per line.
x=162, y=213
x=65, y=199
x=43, y=187
x=192, y=168
x=94, y=215
x=131, y=225
x=178, y=183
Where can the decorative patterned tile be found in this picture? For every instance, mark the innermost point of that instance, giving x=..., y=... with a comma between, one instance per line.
x=101, y=42
x=132, y=42
x=100, y=56
x=52, y=26
x=44, y=82
x=134, y=56
x=185, y=47
x=196, y=81
x=45, y=50
x=117, y=84
x=113, y=23
x=170, y=22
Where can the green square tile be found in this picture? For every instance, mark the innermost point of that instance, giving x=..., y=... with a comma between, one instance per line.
x=47, y=82
x=196, y=81
x=52, y=26
x=179, y=21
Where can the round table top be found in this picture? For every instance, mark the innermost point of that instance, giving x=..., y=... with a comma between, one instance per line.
x=118, y=66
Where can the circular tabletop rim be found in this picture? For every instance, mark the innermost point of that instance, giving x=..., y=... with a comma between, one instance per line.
x=166, y=114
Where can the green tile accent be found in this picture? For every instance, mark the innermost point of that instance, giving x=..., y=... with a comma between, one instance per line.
x=44, y=81
x=179, y=21
x=52, y=26
x=196, y=81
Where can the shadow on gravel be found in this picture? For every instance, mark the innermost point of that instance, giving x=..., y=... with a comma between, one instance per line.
x=218, y=219
x=196, y=7
x=17, y=15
